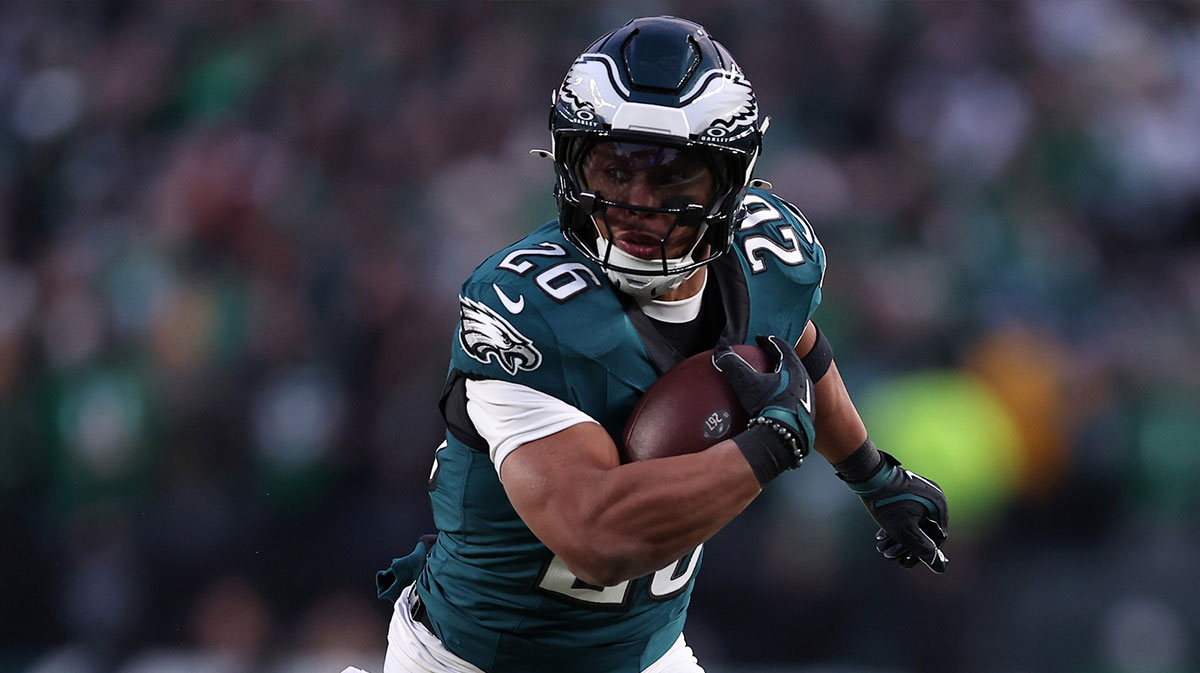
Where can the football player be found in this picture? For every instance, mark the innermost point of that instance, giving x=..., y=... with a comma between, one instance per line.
x=551, y=555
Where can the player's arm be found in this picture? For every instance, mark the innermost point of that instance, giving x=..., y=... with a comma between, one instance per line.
x=611, y=522
x=608, y=522
x=910, y=510
x=839, y=428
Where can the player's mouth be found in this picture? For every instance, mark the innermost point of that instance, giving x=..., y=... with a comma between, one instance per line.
x=638, y=244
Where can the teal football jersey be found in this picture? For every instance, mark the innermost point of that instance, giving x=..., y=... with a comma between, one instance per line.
x=540, y=314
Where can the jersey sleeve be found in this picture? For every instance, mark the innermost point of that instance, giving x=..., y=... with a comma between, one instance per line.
x=508, y=415
x=784, y=264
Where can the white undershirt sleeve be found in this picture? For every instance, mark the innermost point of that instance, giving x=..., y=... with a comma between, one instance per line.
x=508, y=415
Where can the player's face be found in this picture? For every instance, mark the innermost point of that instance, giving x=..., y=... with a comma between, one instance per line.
x=649, y=176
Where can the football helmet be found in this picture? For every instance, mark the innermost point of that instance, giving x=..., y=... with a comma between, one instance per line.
x=669, y=105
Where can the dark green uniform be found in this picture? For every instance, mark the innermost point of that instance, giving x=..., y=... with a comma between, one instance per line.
x=540, y=314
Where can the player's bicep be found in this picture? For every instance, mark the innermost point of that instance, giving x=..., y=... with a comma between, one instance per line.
x=547, y=482
x=546, y=452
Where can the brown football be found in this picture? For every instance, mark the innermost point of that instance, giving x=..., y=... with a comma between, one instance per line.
x=688, y=409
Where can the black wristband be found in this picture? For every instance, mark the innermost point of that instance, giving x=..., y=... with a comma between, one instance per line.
x=768, y=453
x=860, y=465
x=819, y=357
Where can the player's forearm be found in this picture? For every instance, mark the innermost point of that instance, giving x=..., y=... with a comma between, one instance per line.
x=643, y=516
x=840, y=430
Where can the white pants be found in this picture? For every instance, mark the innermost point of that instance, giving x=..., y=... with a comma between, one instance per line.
x=413, y=649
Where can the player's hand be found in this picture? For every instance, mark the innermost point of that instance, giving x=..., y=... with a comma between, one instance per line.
x=911, y=512
x=783, y=395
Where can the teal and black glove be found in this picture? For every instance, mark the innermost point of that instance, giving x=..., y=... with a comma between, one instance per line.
x=779, y=403
x=911, y=511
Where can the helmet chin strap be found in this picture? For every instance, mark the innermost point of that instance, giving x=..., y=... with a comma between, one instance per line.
x=641, y=286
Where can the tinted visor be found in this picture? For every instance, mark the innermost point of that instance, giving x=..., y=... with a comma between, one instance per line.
x=649, y=177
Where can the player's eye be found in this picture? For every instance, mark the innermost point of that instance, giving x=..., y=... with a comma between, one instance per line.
x=616, y=174
x=680, y=177
x=670, y=178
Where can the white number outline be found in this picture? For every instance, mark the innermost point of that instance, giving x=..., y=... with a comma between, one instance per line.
x=755, y=245
x=759, y=211
x=543, y=249
x=557, y=580
x=667, y=585
x=581, y=277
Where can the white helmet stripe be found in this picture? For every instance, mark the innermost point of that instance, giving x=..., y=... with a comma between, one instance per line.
x=720, y=104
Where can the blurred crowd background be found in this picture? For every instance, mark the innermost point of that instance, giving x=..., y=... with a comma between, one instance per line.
x=233, y=236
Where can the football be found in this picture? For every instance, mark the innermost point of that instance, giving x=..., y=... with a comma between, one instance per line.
x=688, y=409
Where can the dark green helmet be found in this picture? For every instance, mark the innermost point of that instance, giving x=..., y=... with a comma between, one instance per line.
x=658, y=81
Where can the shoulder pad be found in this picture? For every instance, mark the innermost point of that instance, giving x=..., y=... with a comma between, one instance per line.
x=532, y=307
x=772, y=233
x=783, y=263
x=502, y=336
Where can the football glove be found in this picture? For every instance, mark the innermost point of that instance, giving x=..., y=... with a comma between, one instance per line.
x=911, y=512
x=779, y=402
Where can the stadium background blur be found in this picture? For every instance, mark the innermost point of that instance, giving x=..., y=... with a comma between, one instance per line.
x=233, y=236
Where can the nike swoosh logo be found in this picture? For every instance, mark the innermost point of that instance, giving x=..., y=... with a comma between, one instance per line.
x=806, y=401
x=514, y=307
